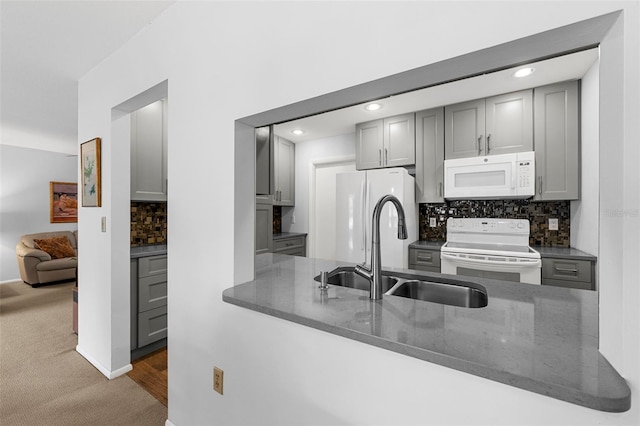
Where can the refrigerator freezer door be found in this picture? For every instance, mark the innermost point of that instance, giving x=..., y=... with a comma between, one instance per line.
x=351, y=245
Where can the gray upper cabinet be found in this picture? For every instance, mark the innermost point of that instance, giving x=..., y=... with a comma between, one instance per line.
x=369, y=145
x=497, y=125
x=556, y=110
x=149, y=153
x=264, y=161
x=464, y=134
x=284, y=170
x=509, y=123
x=388, y=142
x=430, y=156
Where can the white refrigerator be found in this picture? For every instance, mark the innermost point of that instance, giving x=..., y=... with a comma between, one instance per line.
x=356, y=196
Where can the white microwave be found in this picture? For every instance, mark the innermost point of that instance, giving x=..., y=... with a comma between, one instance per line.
x=490, y=177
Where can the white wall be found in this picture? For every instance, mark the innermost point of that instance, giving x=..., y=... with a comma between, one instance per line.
x=585, y=212
x=338, y=148
x=24, y=197
x=277, y=372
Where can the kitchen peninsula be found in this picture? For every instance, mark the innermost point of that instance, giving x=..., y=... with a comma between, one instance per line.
x=537, y=338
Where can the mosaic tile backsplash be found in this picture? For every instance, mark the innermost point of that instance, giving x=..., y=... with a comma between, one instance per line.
x=277, y=220
x=538, y=214
x=148, y=223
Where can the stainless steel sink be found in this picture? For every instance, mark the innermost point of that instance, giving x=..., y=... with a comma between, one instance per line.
x=346, y=277
x=446, y=294
x=417, y=287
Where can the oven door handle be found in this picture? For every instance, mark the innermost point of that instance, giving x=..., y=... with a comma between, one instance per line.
x=465, y=260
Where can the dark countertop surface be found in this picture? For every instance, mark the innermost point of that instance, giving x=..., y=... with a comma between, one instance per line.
x=545, y=252
x=539, y=338
x=152, y=250
x=432, y=245
x=288, y=235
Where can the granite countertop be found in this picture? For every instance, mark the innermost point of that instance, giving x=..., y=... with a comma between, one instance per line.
x=545, y=252
x=288, y=235
x=151, y=250
x=539, y=338
x=432, y=245
x=563, y=253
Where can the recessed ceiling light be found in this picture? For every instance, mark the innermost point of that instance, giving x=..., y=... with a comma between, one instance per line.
x=297, y=132
x=373, y=107
x=523, y=72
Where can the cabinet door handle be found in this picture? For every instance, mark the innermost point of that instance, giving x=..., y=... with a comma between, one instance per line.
x=423, y=258
x=479, y=144
x=540, y=185
x=386, y=157
x=380, y=157
x=488, y=143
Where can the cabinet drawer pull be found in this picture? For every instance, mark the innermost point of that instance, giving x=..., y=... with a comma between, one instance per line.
x=289, y=244
x=425, y=258
x=566, y=270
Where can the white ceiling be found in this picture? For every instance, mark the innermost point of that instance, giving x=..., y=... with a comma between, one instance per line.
x=339, y=122
x=46, y=46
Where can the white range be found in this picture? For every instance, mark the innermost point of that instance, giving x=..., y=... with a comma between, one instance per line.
x=490, y=248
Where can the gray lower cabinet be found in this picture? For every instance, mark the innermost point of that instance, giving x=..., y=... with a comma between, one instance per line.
x=424, y=259
x=556, y=110
x=264, y=224
x=148, y=301
x=294, y=246
x=571, y=273
x=430, y=156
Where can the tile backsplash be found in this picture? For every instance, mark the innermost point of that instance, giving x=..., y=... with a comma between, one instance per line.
x=538, y=214
x=148, y=223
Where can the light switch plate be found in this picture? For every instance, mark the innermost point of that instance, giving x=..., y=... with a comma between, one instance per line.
x=103, y=224
x=432, y=222
x=553, y=224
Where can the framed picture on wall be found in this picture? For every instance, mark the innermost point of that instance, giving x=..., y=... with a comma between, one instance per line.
x=63, y=201
x=90, y=168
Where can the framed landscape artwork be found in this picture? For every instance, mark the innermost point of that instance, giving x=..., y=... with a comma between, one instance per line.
x=63, y=201
x=90, y=167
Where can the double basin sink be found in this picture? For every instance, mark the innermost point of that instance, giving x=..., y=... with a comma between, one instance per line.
x=417, y=287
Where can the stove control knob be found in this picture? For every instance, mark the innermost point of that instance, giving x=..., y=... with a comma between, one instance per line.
x=520, y=225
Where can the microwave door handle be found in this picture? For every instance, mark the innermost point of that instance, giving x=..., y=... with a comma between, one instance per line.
x=513, y=175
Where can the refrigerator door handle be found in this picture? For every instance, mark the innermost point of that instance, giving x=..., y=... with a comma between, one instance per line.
x=363, y=194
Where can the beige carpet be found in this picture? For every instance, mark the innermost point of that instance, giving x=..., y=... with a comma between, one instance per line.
x=44, y=381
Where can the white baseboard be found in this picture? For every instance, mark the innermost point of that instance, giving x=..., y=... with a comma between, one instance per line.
x=101, y=368
x=17, y=280
x=168, y=423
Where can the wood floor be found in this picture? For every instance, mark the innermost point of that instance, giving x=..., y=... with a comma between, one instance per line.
x=150, y=372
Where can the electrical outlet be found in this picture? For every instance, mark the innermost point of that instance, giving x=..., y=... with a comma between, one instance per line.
x=432, y=222
x=218, y=380
x=553, y=224
x=103, y=224
x=293, y=219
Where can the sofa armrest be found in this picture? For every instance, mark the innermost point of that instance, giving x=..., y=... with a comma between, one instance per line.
x=24, y=251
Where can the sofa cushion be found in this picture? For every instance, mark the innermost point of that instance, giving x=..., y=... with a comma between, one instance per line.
x=57, y=264
x=56, y=247
x=28, y=239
